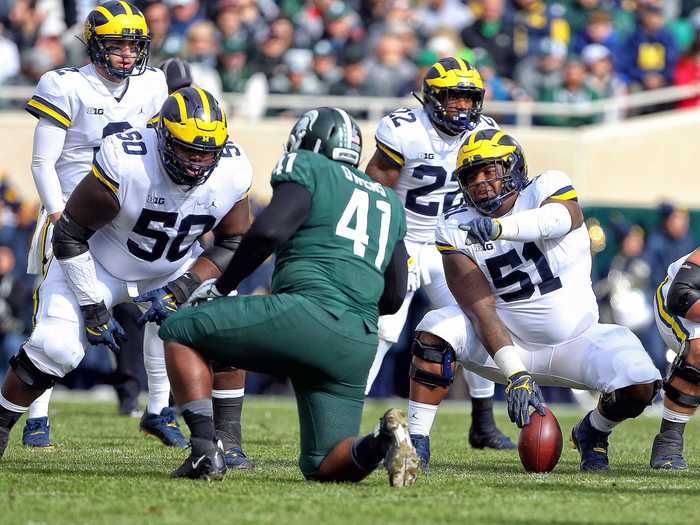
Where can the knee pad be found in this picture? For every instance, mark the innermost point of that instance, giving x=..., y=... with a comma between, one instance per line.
x=29, y=374
x=441, y=353
x=622, y=404
x=681, y=368
x=55, y=346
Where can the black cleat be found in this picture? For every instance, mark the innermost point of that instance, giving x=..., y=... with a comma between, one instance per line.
x=592, y=444
x=206, y=461
x=492, y=438
x=667, y=451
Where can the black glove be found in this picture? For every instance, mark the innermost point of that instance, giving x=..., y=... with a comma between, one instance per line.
x=522, y=392
x=101, y=328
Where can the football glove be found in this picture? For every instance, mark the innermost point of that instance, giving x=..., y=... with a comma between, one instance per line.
x=521, y=393
x=101, y=328
x=166, y=300
x=206, y=292
x=481, y=230
x=413, y=275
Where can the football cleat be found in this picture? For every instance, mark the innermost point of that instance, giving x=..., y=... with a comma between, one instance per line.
x=36, y=432
x=667, y=451
x=163, y=426
x=400, y=460
x=206, y=461
x=237, y=460
x=493, y=438
x=592, y=444
x=422, y=446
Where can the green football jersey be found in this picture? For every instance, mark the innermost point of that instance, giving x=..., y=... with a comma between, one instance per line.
x=338, y=255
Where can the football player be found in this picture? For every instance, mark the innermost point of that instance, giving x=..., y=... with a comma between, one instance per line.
x=416, y=154
x=129, y=232
x=331, y=227
x=517, y=259
x=677, y=313
x=77, y=108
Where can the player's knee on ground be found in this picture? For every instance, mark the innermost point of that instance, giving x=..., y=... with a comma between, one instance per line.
x=628, y=402
x=29, y=374
x=682, y=384
x=53, y=348
x=433, y=363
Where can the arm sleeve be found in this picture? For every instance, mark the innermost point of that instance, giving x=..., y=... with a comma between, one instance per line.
x=395, y=281
x=389, y=143
x=48, y=146
x=50, y=102
x=284, y=215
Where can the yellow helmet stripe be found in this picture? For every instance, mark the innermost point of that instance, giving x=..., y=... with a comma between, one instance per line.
x=205, y=103
x=126, y=7
x=181, y=104
x=102, y=9
x=441, y=69
x=464, y=68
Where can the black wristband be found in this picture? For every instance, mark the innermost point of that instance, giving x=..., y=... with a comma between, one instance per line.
x=183, y=286
x=95, y=314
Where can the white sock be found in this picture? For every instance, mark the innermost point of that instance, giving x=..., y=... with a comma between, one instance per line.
x=40, y=406
x=9, y=405
x=421, y=417
x=382, y=349
x=158, y=384
x=675, y=417
x=228, y=394
x=602, y=423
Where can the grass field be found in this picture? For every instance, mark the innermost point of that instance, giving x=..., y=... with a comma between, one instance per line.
x=104, y=471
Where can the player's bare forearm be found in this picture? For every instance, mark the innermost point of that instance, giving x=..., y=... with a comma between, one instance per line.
x=574, y=210
x=473, y=294
x=92, y=205
x=381, y=170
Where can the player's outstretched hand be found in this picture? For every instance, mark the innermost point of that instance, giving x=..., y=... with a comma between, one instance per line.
x=522, y=392
x=101, y=328
x=163, y=303
x=205, y=292
x=413, y=275
x=481, y=230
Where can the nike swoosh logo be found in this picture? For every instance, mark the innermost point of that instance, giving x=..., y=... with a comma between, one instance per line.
x=195, y=464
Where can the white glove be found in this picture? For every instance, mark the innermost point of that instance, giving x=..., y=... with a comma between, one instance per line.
x=205, y=292
x=413, y=275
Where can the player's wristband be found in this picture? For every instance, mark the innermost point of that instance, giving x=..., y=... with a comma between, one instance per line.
x=508, y=360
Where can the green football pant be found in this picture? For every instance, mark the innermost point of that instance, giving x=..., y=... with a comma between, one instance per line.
x=327, y=359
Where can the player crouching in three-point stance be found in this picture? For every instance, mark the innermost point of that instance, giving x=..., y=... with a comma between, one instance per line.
x=678, y=320
x=517, y=260
x=340, y=263
x=130, y=227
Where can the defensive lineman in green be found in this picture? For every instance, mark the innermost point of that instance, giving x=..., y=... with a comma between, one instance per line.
x=341, y=262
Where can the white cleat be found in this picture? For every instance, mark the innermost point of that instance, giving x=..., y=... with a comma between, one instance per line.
x=401, y=460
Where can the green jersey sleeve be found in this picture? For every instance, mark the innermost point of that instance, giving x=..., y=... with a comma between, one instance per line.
x=294, y=167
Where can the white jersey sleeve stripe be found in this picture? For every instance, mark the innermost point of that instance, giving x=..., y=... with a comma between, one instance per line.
x=392, y=155
x=110, y=184
x=42, y=108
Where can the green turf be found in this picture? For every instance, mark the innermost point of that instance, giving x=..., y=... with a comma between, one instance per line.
x=106, y=472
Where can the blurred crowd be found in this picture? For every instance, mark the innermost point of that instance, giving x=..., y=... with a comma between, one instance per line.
x=563, y=50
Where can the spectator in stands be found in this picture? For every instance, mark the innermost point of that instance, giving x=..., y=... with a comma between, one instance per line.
x=15, y=297
x=687, y=72
x=299, y=78
x=241, y=20
x=424, y=60
x=573, y=90
x=598, y=30
x=163, y=43
x=201, y=49
x=184, y=14
x=649, y=55
x=268, y=55
x=669, y=241
x=536, y=21
x=10, y=60
x=389, y=69
x=601, y=75
x=543, y=71
x=342, y=27
x=493, y=32
x=325, y=64
x=440, y=14
x=354, y=82
x=233, y=66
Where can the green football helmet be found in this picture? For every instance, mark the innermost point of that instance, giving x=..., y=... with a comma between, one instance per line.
x=330, y=132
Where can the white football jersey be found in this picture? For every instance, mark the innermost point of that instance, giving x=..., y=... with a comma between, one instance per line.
x=427, y=159
x=543, y=289
x=675, y=266
x=77, y=100
x=159, y=222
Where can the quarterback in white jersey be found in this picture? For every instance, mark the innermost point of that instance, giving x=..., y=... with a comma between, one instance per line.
x=129, y=232
x=677, y=312
x=77, y=108
x=416, y=154
x=517, y=260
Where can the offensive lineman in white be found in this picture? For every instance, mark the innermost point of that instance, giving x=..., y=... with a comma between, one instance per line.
x=148, y=198
x=77, y=108
x=416, y=154
x=517, y=259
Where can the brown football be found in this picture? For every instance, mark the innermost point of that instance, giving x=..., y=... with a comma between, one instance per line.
x=540, y=443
